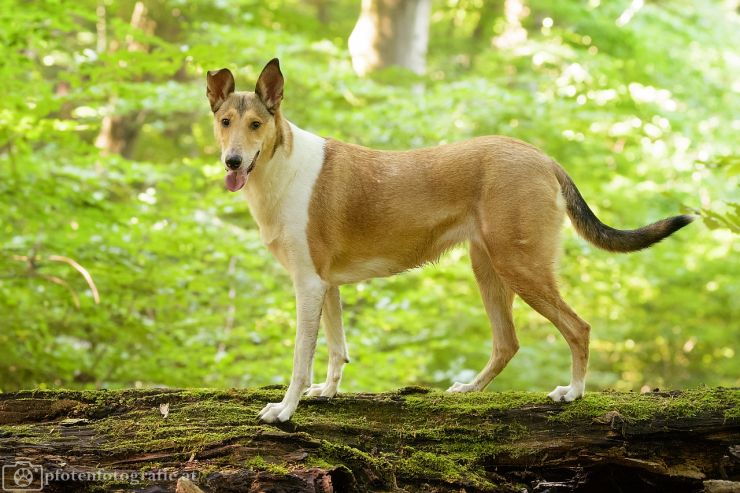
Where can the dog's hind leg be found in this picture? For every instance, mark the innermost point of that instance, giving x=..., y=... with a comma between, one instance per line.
x=520, y=224
x=331, y=316
x=532, y=277
x=498, y=299
x=544, y=297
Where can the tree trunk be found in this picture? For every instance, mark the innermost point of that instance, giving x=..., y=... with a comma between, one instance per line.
x=391, y=32
x=412, y=440
x=322, y=10
x=118, y=133
x=488, y=13
x=514, y=34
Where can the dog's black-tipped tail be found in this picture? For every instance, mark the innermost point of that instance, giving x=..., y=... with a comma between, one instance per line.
x=606, y=237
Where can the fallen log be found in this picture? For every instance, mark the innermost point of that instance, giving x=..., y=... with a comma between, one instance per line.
x=411, y=440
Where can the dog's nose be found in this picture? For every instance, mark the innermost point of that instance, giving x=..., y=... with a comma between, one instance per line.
x=234, y=161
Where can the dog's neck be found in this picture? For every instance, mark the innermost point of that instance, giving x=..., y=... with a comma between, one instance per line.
x=271, y=175
x=282, y=137
x=289, y=163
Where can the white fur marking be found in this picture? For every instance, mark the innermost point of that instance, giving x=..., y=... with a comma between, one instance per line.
x=279, y=195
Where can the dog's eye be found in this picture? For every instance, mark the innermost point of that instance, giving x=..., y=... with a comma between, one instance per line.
x=225, y=122
x=255, y=125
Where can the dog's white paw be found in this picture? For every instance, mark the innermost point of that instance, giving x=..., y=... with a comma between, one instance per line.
x=461, y=387
x=568, y=393
x=325, y=389
x=276, y=412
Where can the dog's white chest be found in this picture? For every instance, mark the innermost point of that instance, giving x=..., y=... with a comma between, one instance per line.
x=281, y=211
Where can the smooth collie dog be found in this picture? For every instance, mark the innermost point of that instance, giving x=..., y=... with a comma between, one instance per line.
x=335, y=213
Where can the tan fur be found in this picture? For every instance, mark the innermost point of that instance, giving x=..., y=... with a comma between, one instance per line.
x=407, y=208
x=375, y=213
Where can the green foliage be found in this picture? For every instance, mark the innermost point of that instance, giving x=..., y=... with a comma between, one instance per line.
x=641, y=115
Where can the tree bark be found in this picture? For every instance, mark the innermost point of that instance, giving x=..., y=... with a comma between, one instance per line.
x=411, y=440
x=391, y=32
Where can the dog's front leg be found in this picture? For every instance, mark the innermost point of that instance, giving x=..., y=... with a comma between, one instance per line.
x=310, y=292
x=331, y=315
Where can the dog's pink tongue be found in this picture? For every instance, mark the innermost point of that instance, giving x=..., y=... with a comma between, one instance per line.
x=234, y=180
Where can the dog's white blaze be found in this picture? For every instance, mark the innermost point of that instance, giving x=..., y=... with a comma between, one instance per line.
x=279, y=196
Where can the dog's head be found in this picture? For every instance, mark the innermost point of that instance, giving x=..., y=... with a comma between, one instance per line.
x=245, y=123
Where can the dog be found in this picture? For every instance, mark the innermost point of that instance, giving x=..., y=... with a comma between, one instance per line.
x=334, y=213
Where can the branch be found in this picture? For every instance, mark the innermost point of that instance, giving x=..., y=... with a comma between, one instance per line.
x=85, y=274
x=32, y=271
x=63, y=283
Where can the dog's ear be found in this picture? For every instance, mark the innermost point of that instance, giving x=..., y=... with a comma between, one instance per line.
x=220, y=85
x=270, y=86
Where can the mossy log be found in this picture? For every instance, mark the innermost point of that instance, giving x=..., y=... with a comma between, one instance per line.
x=411, y=440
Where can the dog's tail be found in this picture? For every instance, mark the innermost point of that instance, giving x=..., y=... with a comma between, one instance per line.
x=608, y=238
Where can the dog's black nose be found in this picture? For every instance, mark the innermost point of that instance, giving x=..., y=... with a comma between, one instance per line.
x=233, y=162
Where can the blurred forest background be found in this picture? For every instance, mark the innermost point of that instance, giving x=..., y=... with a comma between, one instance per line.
x=124, y=262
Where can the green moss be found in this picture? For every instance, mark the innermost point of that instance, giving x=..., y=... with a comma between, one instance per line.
x=733, y=412
x=428, y=466
x=696, y=402
x=353, y=457
x=32, y=434
x=111, y=485
x=312, y=461
x=260, y=464
x=190, y=426
x=415, y=433
x=345, y=452
x=474, y=404
x=413, y=389
x=425, y=465
x=633, y=408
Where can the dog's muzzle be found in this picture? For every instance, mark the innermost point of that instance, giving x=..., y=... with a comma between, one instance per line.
x=235, y=178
